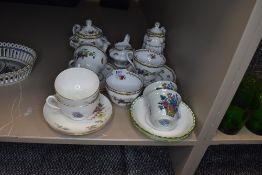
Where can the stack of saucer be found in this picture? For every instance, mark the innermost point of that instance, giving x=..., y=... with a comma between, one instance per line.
x=77, y=108
x=160, y=113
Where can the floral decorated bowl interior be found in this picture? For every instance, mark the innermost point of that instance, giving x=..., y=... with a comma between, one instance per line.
x=160, y=85
x=123, y=81
x=149, y=58
x=74, y=83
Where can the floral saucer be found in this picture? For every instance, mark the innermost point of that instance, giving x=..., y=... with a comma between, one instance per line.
x=65, y=125
x=139, y=112
x=166, y=74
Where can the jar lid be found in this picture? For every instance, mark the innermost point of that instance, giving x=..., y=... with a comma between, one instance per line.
x=157, y=30
x=124, y=45
x=90, y=31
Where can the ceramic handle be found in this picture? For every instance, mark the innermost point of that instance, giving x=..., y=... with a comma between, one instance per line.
x=71, y=63
x=130, y=55
x=132, y=64
x=163, y=29
x=52, y=102
x=105, y=43
x=76, y=28
x=112, y=54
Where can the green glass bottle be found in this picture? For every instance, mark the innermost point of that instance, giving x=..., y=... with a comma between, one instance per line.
x=245, y=92
x=236, y=114
x=233, y=120
x=254, y=122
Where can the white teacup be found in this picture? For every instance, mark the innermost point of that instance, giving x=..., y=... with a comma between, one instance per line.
x=160, y=85
x=163, y=105
x=75, y=96
x=74, y=84
x=80, y=102
x=73, y=112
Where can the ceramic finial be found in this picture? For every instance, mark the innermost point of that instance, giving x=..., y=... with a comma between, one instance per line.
x=88, y=22
x=127, y=38
x=157, y=25
x=163, y=29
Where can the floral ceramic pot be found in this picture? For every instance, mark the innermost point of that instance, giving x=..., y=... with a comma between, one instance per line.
x=148, y=63
x=154, y=39
x=89, y=57
x=160, y=85
x=123, y=87
x=122, y=53
x=88, y=34
x=163, y=104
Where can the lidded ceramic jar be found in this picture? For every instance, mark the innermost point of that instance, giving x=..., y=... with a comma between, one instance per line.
x=154, y=39
x=88, y=34
x=122, y=53
x=123, y=86
x=148, y=64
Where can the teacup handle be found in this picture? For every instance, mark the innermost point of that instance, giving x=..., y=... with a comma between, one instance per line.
x=51, y=101
x=71, y=63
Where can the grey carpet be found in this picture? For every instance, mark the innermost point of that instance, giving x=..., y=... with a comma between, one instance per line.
x=51, y=159
x=232, y=160
x=48, y=159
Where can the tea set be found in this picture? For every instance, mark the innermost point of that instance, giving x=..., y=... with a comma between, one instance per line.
x=79, y=108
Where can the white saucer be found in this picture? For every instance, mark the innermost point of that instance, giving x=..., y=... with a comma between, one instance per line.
x=65, y=125
x=139, y=112
x=166, y=74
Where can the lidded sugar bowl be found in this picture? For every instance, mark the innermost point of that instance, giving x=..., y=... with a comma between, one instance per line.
x=122, y=53
x=88, y=34
x=154, y=39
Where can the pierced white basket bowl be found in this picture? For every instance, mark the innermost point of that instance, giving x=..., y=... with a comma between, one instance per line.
x=16, y=62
